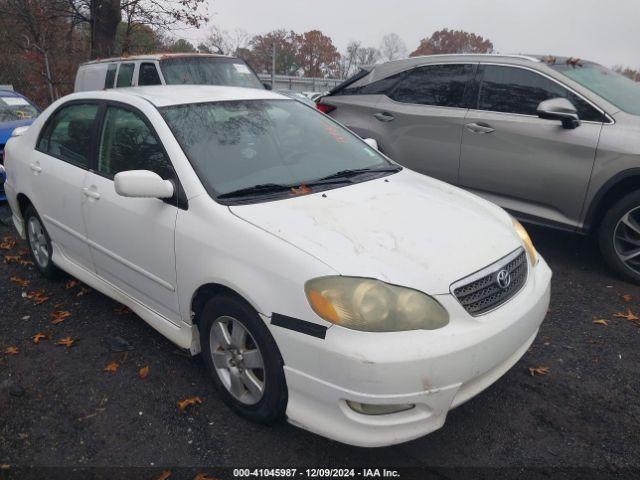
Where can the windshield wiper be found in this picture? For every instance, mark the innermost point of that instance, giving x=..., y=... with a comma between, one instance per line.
x=264, y=188
x=355, y=172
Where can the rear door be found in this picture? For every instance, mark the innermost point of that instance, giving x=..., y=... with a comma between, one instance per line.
x=418, y=123
x=59, y=167
x=132, y=239
x=531, y=166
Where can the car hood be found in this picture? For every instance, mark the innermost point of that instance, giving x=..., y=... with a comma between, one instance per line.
x=405, y=229
x=7, y=127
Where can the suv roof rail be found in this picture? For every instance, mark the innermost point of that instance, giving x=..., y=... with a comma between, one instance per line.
x=530, y=58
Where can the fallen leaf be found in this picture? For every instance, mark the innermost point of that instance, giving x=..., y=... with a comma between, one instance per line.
x=71, y=283
x=629, y=315
x=40, y=300
x=12, y=350
x=59, y=306
x=203, y=476
x=538, y=371
x=83, y=291
x=26, y=263
x=627, y=297
x=301, y=190
x=121, y=310
x=19, y=281
x=11, y=258
x=112, y=367
x=164, y=475
x=143, y=372
x=38, y=296
x=183, y=404
x=59, y=316
x=5, y=466
x=67, y=342
x=39, y=336
x=601, y=321
x=7, y=243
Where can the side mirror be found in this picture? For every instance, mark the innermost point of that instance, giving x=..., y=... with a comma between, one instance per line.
x=372, y=143
x=267, y=86
x=142, y=184
x=560, y=109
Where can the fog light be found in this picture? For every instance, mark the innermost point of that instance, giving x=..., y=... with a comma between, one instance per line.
x=370, y=409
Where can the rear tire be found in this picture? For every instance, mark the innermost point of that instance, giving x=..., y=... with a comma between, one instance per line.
x=619, y=237
x=244, y=360
x=39, y=244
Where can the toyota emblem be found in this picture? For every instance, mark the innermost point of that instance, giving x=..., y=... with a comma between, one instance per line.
x=503, y=279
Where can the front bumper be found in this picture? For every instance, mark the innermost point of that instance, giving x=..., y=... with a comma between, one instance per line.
x=434, y=370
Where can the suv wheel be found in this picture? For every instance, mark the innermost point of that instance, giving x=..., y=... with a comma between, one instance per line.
x=39, y=244
x=243, y=359
x=619, y=236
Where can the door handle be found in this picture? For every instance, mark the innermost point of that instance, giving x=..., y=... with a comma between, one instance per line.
x=480, y=127
x=384, y=117
x=91, y=193
x=35, y=168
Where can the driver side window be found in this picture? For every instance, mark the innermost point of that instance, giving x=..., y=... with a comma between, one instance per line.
x=128, y=143
x=520, y=91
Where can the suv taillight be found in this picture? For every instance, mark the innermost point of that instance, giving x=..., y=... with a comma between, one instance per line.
x=324, y=108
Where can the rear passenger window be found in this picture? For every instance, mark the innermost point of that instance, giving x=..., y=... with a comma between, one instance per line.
x=520, y=91
x=68, y=134
x=125, y=75
x=111, y=75
x=438, y=85
x=148, y=74
x=128, y=143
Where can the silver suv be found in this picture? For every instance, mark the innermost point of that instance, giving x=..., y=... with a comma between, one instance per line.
x=556, y=141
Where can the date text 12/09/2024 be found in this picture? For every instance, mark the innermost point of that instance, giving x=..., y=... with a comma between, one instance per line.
x=315, y=473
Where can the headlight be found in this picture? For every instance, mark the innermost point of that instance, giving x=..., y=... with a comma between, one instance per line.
x=526, y=240
x=373, y=306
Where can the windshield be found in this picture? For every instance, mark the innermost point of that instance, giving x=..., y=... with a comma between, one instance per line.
x=237, y=145
x=617, y=89
x=16, y=108
x=208, y=71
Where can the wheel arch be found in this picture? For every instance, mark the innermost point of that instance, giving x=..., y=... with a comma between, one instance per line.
x=23, y=203
x=613, y=190
x=209, y=290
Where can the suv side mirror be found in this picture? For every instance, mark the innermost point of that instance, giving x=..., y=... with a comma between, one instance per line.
x=560, y=109
x=372, y=142
x=142, y=184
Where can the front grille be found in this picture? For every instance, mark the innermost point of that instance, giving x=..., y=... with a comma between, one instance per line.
x=481, y=292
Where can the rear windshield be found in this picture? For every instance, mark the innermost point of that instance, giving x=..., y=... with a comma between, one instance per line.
x=16, y=108
x=617, y=89
x=209, y=71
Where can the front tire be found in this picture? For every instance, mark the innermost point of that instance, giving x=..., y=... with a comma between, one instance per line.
x=619, y=236
x=39, y=244
x=243, y=358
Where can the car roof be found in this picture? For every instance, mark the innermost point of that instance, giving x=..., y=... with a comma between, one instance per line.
x=155, y=56
x=168, y=95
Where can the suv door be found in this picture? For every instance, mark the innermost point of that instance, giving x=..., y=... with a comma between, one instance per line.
x=534, y=167
x=59, y=166
x=419, y=122
x=132, y=239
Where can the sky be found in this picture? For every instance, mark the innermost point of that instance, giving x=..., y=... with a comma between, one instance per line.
x=605, y=31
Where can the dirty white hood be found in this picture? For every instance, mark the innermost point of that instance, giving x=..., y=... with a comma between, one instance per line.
x=405, y=229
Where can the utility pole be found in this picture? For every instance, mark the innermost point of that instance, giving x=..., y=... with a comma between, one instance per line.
x=273, y=67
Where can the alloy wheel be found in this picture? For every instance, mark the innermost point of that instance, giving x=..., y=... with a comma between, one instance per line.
x=237, y=360
x=626, y=239
x=38, y=242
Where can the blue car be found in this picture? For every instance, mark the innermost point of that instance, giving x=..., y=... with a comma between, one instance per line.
x=15, y=111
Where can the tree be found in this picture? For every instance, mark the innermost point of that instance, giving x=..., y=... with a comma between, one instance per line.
x=182, y=46
x=287, y=45
x=392, y=47
x=226, y=42
x=355, y=57
x=453, y=41
x=628, y=72
x=317, y=55
x=102, y=17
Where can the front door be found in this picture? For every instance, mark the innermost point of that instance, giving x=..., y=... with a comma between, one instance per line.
x=419, y=122
x=533, y=167
x=132, y=239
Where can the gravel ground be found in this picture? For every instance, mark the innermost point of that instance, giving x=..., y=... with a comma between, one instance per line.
x=59, y=408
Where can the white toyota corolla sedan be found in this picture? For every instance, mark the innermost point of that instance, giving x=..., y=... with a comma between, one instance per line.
x=321, y=281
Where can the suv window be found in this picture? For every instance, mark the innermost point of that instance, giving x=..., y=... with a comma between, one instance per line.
x=380, y=87
x=125, y=75
x=520, y=91
x=128, y=143
x=148, y=74
x=438, y=85
x=111, y=75
x=68, y=134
